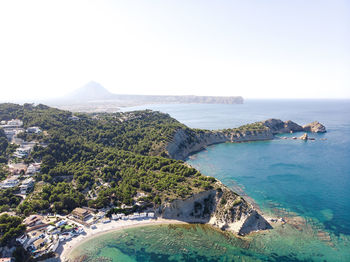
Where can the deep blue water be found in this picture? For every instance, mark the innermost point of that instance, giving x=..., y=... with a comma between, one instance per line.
x=308, y=179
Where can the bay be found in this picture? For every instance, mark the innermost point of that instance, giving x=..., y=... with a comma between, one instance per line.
x=305, y=182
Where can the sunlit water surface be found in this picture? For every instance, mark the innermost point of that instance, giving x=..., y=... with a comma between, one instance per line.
x=307, y=183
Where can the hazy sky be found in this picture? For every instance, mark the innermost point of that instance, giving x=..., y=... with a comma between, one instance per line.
x=257, y=49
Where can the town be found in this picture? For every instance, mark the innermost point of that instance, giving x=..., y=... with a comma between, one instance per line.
x=45, y=233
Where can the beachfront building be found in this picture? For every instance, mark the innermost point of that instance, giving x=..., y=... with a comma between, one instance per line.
x=118, y=216
x=106, y=220
x=81, y=213
x=61, y=223
x=22, y=239
x=33, y=220
x=39, y=243
x=33, y=236
x=100, y=214
x=143, y=215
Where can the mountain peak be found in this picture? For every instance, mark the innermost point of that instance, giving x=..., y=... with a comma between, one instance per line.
x=91, y=91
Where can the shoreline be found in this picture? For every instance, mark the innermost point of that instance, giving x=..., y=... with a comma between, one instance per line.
x=66, y=248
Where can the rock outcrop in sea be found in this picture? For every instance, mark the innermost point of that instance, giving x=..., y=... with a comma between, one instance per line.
x=315, y=127
x=304, y=137
x=277, y=126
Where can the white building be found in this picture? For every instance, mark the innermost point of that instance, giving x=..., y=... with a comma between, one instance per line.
x=10, y=133
x=106, y=220
x=9, y=182
x=74, y=118
x=150, y=215
x=33, y=168
x=34, y=235
x=22, y=151
x=15, y=122
x=26, y=185
x=22, y=239
x=33, y=130
x=61, y=223
x=143, y=215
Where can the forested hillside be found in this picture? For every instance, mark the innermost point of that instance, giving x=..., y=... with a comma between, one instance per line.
x=103, y=159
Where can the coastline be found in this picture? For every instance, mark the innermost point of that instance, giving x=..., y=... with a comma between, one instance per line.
x=67, y=247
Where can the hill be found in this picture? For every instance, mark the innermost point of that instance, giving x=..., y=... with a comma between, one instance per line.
x=93, y=97
x=116, y=160
x=89, y=92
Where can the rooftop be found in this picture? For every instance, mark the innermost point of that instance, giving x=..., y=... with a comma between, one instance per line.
x=80, y=211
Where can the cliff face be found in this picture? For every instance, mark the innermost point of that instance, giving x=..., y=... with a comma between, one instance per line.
x=186, y=142
x=277, y=126
x=221, y=208
x=315, y=127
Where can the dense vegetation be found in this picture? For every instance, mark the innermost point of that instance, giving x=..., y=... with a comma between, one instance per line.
x=6, y=149
x=8, y=199
x=103, y=159
x=257, y=126
x=10, y=228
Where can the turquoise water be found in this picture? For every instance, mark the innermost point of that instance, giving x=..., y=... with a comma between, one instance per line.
x=167, y=243
x=306, y=182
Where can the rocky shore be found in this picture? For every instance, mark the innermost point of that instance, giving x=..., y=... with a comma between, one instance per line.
x=220, y=207
x=188, y=141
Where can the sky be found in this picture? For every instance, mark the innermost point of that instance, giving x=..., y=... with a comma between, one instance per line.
x=256, y=49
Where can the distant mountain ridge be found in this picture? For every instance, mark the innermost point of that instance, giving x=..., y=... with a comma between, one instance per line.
x=93, y=97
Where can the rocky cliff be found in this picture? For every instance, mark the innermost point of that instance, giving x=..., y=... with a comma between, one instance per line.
x=277, y=126
x=219, y=207
x=188, y=141
x=315, y=127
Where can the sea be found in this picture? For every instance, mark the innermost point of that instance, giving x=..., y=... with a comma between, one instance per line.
x=305, y=182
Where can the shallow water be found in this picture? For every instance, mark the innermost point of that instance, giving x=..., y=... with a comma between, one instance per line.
x=172, y=243
x=305, y=182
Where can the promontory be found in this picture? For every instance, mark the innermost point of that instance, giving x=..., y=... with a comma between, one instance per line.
x=120, y=163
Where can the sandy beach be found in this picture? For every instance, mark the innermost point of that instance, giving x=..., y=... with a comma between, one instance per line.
x=67, y=246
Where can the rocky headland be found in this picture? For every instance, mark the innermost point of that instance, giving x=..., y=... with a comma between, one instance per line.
x=220, y=207
x=188, y=141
